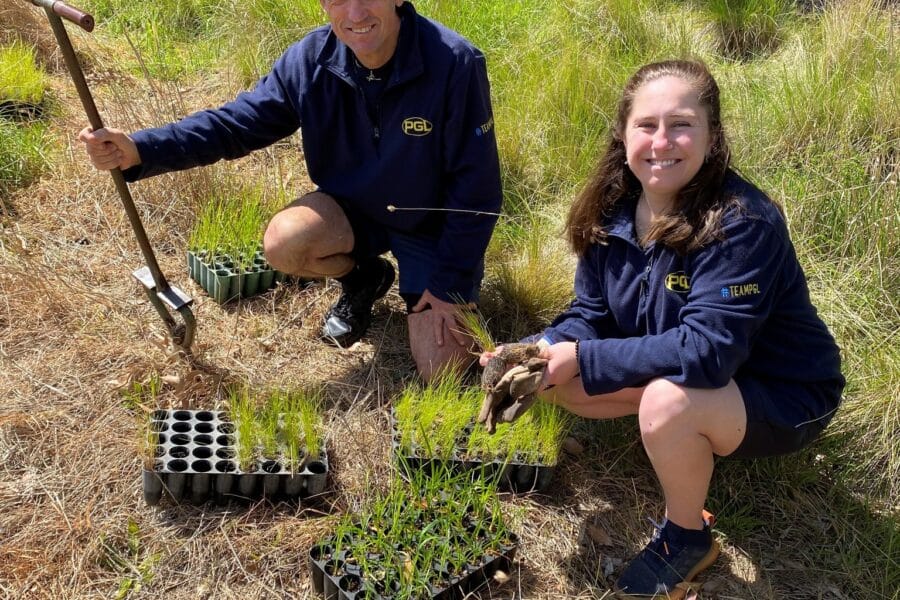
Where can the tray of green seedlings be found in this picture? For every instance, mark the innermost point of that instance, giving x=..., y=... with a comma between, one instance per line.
x=434, y=425
x=274, y=450
x=441, y=535
x=224, y=251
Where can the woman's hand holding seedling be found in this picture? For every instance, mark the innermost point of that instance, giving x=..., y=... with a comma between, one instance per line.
x=562, y=364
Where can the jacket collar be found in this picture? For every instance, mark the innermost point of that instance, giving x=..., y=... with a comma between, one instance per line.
x=621, y=223
x=337, y=57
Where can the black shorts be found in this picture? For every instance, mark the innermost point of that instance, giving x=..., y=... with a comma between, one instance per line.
x=783, y=417
x=416, y=254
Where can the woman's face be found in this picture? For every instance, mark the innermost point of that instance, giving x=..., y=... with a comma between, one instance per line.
x=666, y=137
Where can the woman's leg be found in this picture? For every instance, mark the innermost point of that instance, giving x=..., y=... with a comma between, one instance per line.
x=682, y=428
x=573, y=398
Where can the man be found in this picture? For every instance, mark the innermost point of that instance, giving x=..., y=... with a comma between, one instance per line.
x=395, y=116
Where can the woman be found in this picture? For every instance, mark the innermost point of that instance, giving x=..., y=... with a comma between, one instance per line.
x=691, y=312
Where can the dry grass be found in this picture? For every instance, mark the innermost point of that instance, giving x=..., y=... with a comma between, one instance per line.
x=22, y=21
x=75, y=329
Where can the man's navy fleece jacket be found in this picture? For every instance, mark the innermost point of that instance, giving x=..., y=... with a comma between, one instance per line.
x=432, y=144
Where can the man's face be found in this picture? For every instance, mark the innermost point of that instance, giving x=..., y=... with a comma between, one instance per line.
x=370, y=28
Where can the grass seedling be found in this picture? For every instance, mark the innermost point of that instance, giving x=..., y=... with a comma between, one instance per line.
x=148, y=441
x=243, y=411
x=289, y=435
x=414, y=531
x=749, y=28
x=285, y=426
x=231, y=222
x=142, y=394
x=437, y=417
x=537, y=436
x=268, y=424
x=309, y=406
x=474, y=323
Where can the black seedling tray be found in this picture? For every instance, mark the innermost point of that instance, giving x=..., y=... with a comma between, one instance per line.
x=511, y=474
x=20, y=110
x=223, y=281
x=195, y=461
x=335, y=576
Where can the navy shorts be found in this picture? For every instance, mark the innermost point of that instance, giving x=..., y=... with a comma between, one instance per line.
x=416, y=254
x=783, y=417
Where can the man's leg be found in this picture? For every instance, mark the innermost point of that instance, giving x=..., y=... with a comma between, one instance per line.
x=311, y=237
x=430, y=358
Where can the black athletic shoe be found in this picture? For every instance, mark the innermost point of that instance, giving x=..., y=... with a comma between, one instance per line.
x=349, y=318
x=665, y=563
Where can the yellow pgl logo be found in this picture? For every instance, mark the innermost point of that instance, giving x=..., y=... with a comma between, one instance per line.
x=678, y=282
x=416, y=126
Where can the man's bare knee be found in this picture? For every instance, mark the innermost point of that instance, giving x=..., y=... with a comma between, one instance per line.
x=431, y=359
x=305, y=232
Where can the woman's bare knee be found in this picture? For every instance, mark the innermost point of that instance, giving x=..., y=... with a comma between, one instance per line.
x=663, y=405
x=670, y=411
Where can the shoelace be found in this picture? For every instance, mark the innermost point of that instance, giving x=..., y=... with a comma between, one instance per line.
x=657, y=540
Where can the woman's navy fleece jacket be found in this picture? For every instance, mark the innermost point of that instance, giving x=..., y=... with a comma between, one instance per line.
x=737, y=306
x=432, y=144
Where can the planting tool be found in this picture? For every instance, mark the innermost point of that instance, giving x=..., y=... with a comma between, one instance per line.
x=163, y=297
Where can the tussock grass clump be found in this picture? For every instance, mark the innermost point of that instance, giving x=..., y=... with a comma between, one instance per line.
x=530, y=276
x=173, y=37
x=826, y=94
x=24, y=154
x=24, y=142
x=21, y=81
x=748, y=29
x=259, y=31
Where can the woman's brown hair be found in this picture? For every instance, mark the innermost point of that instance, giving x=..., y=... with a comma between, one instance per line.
x=699, y=206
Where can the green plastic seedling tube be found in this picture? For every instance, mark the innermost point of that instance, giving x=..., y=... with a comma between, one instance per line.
x=192, y=265
x=266, y=279
x=207, y=277
x=251, y=282
x=222, y=285
x=234, y=286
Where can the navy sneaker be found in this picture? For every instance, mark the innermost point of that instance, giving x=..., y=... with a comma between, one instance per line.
x=674, y=556
x=349, y=318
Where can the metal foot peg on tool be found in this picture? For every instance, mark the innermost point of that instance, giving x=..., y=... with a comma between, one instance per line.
x=165, y=298
x=174, y=299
